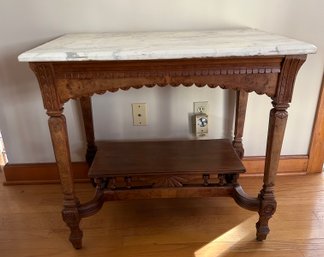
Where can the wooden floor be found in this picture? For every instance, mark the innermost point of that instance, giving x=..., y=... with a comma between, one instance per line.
x=31, y=225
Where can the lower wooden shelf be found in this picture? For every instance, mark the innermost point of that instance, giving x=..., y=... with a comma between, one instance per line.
x=166, y=163
x=165, y=157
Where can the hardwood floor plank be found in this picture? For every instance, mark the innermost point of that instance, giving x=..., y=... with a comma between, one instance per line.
x=31, y=225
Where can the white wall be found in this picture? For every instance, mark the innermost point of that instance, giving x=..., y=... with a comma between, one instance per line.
x=25, y=24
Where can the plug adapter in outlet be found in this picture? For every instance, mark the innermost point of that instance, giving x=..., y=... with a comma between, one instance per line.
x=201, y=118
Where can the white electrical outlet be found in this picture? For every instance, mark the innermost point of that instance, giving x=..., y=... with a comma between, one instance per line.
x=201, y=107
x=139, y=114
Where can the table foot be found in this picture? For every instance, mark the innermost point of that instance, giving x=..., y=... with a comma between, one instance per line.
x=262, y=231
x=267, y=209
x=72, y=219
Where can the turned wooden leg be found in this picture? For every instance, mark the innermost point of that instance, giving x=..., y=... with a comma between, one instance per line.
x=241, y=103
x=57, y=125
x=277, y=124
x=276, y=130
x=88, y=126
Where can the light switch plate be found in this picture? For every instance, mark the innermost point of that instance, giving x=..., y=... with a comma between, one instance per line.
x=139, y=114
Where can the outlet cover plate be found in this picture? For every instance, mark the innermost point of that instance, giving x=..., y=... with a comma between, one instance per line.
x=201, y=107
x=139, y=114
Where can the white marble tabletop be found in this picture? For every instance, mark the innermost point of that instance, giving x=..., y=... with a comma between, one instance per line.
x=165, y=45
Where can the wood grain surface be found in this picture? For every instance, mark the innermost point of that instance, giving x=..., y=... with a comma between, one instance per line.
x=31, y=224
x=165, y=157
x=59, y=82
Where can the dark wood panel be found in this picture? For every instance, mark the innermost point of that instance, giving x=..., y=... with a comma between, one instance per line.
x=165, y=157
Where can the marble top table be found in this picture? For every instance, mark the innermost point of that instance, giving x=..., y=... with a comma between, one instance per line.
x=76, y=66
x=165, y=45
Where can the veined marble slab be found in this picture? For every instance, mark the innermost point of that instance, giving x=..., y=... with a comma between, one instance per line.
x=165, y=45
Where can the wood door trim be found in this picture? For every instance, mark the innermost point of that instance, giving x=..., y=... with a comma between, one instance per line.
x=316, y=150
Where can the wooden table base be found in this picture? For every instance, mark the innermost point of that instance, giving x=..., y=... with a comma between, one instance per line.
x=164, y=169
x=213, y=190
x=273, y=76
